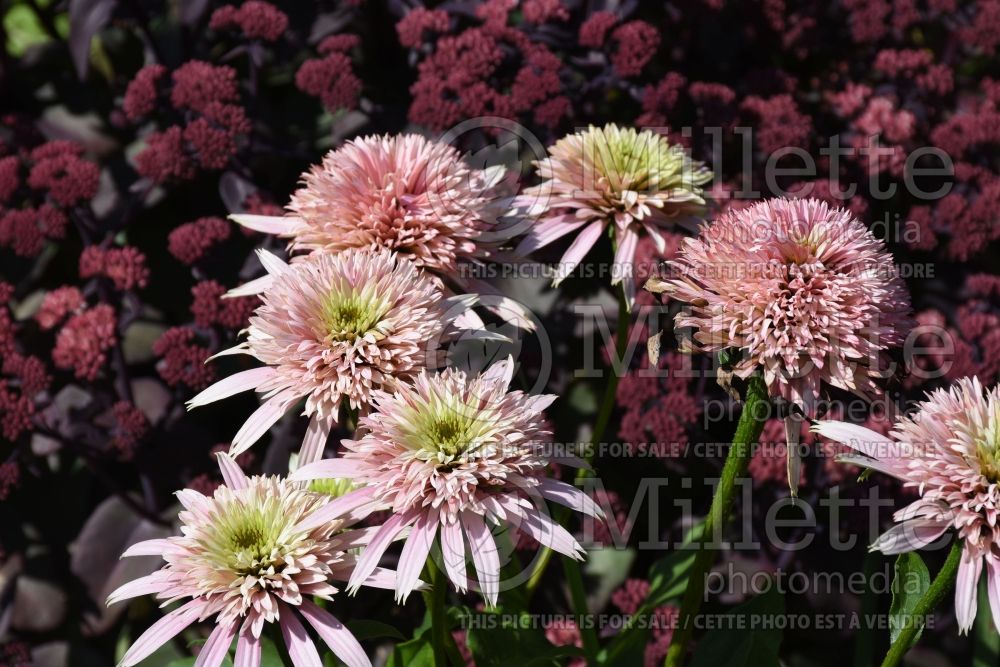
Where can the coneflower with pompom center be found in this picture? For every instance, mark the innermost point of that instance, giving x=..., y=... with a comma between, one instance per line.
x=253, y=553
x=332, y=329
x=949, y=451
x=633, y=182
x=447, y=456
x=797, y=290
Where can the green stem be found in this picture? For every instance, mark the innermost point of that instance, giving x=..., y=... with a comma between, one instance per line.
x=943, y=582
x=591, y=645
x=434, y=599
x=747, y=432
x=604, y=413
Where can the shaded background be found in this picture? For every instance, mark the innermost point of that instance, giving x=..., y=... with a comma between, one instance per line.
x=129, y=129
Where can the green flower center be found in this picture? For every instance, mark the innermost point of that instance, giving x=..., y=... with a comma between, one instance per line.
x=248, y=539
x=347, y=317
x=988, y=448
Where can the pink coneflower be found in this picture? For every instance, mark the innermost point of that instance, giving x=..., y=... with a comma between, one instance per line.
x=447, y=455
x=610, y=176
x=949, y=450
x=332, y=329
x=406, y=193
x=250, y=554
x=803, y=292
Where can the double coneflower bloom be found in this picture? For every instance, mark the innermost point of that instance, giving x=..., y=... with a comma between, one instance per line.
x=797, y=290
x=451, y=455
x=249, y=555
x=949, y=451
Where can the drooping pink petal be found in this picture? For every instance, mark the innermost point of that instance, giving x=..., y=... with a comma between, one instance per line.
x=161, y=632
x=414, y=555
x=148, y=585
x=232, y=474
x=485, y=555
x=548, y=230
x=317, y=434
x=373, y=552
x=259, y=423
x=993, y=588
x=301, y=648
x=966, y=589
x=337, y=508
x=581, y=245
x=155, y=547
x=216, y=648
x=340, y=640
x=570, y=496
x=251, y=287
x=453, y=554
x=248, y=649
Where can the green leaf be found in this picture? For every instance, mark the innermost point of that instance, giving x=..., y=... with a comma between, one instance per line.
x=414, y=653
x=748, y=639
x=985, y=640
x=364, y=629
x=910, y=582
x=668, y=576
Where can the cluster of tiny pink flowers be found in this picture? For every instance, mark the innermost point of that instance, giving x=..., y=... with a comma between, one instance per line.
x=182, y=359
x=84, y=341
x=125, y=267
x=254, y=19
x=191, y=241
x=331, y=77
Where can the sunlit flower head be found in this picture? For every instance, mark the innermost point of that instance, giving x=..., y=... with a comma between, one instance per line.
x=333, y=329
x=255, y=552
x=450, y=455
x=949, y=451
x=406, y=193
x=797, y=290
x=610, y=176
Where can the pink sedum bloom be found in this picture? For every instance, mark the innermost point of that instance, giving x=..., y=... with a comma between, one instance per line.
x=333, y=329
x=449, y=455
x=949, y=450
x=610, y=177
x=800, y=291
x=253, y=553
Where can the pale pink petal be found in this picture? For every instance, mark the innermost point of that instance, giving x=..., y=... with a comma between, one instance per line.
x=337, y=637
x=267, y=224
x=301, y=649
x=232, y=474
x=966, y=589
x=314, y=442
x=376, y=548
x=570, y=496
x=625, y=255
x=793, y=432
x=272, y=263
x=453, y=554
x=259, y=423
x=581, y=245
x=336, y=468
x=148, y=585
x=161, y=632
x=248, y=649
x=546, y=531
x=502, y=372
x=485, y=555
x=909, y=536
x=414, y=555
x=155, y=547
x=548, y=230
x=337, y=508
x=861, y=439
x=251, y=287
x=216, y=648
x=232, y=385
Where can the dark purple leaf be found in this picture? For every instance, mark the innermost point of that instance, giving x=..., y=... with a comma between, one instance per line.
x=86, y=18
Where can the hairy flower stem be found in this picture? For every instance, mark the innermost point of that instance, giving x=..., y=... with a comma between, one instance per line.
x=943, y=582
x=748, y=431
x=600, y=425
